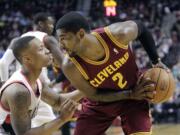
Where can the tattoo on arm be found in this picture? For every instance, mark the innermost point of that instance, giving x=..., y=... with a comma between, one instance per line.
x=51, y=97
x=19, y=101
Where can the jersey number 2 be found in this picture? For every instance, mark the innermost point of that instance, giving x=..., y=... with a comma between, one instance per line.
x=119, y=77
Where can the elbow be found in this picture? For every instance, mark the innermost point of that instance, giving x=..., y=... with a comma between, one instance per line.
x=3, y=64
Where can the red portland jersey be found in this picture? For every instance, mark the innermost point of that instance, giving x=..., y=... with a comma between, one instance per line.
x=117, y=71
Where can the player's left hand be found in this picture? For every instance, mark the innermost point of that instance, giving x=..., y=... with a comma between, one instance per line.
x=161, y=65
x=67, y=109
x=144, y=90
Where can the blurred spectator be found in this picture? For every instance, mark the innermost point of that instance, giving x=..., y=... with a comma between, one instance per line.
x=173, y=54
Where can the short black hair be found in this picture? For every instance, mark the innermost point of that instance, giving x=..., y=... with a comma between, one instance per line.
x=41, y=16
x=72, y=22
x=20, y=45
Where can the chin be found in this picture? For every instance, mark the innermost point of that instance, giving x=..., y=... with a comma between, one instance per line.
x=50, y=62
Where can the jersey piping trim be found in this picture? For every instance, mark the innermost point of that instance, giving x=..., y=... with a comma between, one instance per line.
x=38, y=88
x=80, y=68
x=142, y=133
x=105, y=46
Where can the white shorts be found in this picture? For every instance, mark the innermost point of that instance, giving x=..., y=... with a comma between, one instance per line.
x=2, y=132
x=44, y=114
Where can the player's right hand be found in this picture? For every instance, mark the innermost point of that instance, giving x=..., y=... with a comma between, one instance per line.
x=160, y=64
x=67, y=110
x=144, y=90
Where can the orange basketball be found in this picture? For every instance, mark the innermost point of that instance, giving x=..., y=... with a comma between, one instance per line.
x=165, y=84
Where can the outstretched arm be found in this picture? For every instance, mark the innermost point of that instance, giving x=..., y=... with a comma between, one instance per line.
x=52, y=44
x=55, y=100
x=19, y=101
x=5, y=62
x=17, y=98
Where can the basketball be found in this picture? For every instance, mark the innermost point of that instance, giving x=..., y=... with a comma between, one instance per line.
x=164, y=84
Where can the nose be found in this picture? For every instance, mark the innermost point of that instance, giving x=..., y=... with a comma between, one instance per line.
x=46, y=50
x=51, y=26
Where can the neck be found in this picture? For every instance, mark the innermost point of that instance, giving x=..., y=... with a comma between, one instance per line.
x=31, y=74
x=36, y=28
x=93, y=49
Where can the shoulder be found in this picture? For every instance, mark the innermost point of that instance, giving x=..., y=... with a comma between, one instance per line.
x=38, y=34
x=67, y=63
x=69, y=68
x=122, y=27
x=48, y=38
x=124, y=32
x=50, y=41
x=34, y=33
x=17, y=95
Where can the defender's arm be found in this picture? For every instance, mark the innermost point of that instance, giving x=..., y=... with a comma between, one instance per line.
x=55, y=99
x=19, y=101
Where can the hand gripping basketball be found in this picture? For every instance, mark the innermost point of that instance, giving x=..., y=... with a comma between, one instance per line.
x=144, y=89
x=165, y=83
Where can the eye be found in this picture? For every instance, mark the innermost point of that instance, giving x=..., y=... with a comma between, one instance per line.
x=41, y=48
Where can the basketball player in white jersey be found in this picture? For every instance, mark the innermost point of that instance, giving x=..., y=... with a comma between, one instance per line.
x=43, y=23
x=43, y=27
x=20, y=95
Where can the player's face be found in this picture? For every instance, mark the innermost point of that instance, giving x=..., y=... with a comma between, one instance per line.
x=48, y=25
x=40, y=56
x=68, y=41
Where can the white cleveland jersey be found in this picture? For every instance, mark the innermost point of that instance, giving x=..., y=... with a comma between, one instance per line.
x=18, y=77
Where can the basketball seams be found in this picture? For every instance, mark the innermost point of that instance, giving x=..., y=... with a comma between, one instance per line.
x=167, y=90
x=157, y=81
x=164, y=86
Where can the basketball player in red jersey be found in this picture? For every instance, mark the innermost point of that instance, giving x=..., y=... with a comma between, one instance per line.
x=101, y=64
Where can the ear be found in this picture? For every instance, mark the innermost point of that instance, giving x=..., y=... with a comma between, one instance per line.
x=81, y=33
x=40, y=23
x=26, y=59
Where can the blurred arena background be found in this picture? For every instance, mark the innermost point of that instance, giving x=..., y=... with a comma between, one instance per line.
x=162, y=17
